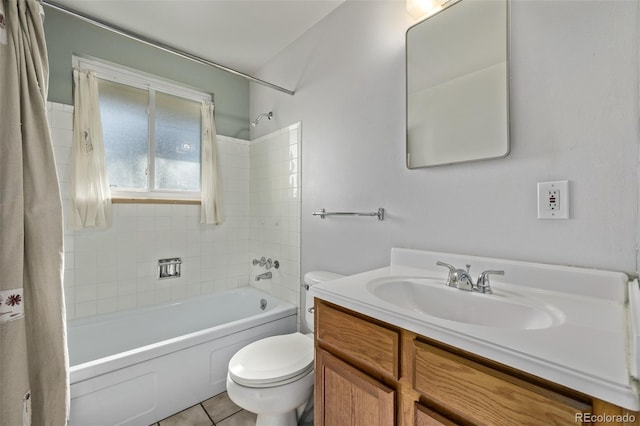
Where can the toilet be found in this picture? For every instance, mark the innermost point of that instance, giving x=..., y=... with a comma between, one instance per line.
x=273, y=377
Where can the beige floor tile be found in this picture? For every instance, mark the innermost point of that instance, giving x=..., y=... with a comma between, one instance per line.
x=194, y=416
x=241, y=418
x=220, y=407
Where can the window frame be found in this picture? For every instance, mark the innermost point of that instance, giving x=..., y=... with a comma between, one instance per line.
x=152, y=84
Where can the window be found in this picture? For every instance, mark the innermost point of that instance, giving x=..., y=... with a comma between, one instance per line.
x=151, y=131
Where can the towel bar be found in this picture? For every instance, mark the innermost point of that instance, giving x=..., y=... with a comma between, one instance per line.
x=322, y=213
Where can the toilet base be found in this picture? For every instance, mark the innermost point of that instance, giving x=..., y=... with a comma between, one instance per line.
x=275, y=406
x=284, y=419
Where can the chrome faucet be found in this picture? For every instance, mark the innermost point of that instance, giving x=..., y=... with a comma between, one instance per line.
x=266, y=263
x=456, y=275
x=483, y=285
x=461, y=279
x=264, y=276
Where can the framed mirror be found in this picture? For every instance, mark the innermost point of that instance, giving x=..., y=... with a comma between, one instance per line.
x=458, y=85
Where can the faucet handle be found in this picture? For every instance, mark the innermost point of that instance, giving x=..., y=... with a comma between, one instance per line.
x=452, y=279
x=270, y=263
x=483, y=285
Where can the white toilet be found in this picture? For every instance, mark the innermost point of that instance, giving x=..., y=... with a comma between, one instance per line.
x=273, y=377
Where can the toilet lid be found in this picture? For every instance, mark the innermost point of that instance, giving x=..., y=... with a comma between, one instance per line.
x=317, y=277
x=272, y=360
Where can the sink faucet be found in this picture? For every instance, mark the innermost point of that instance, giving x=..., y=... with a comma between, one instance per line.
x=458, y=278
x=483, y=285
x=461, y=279
x=264, y=276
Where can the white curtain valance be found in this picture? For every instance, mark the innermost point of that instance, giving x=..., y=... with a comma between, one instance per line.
x=90, y=193
x=211, y=208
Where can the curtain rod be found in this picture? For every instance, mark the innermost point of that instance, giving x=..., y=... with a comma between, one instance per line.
x=161, y=46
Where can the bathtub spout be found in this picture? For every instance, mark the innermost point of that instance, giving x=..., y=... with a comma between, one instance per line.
x=264, y=276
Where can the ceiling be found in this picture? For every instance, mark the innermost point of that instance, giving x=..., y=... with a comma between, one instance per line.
x=239, y=34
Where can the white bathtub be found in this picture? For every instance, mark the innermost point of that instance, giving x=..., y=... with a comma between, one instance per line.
x=138, y=367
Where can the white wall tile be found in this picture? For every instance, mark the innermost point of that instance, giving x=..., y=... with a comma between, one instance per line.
x=107, y=305
x=86, y=309
x=115, y=269
x=126, y=302
x=86, y=293
x=270, y=230
x=107, y=290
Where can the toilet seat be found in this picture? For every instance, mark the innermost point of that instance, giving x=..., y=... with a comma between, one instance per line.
x=273, y=361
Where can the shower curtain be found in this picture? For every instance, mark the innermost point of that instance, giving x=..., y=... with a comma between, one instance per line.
x=211, y=203
x=33, y=358
x=90, y=193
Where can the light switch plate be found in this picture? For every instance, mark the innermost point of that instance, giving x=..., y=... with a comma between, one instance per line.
x=553, y=200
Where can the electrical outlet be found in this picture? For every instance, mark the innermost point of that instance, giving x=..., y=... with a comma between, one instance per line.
x=553, y=200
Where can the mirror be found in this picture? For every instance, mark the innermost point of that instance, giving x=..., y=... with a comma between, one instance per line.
x=458, y=85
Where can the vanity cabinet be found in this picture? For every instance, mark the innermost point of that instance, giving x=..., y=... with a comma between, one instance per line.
x=372, y=373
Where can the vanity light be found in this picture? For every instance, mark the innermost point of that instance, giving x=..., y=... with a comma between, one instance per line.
x=420, y=9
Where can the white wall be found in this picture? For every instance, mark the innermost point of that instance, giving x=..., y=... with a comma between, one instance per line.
x=574, y=115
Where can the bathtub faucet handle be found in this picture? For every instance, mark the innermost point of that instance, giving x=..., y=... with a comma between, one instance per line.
x=261, y=262
x=266, y=263
x=272, y=264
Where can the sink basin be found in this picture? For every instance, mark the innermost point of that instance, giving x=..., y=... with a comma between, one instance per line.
x=432, y=297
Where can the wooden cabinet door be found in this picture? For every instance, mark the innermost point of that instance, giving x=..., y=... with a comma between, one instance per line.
x=426, y=417
x=347, y=397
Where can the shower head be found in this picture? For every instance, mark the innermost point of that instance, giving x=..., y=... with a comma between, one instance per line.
x=260, y=116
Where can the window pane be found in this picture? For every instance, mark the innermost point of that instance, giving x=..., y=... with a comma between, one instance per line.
x=125, y=128
x=177, y=150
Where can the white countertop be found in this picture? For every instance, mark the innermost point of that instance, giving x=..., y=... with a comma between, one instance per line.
x=593, y=348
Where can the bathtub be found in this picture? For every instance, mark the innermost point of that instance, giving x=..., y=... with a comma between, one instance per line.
x=138, y=367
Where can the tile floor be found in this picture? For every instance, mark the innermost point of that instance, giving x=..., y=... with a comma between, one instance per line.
x=216, y=411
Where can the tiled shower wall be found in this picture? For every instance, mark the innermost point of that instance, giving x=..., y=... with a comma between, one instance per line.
x=275, y=210
x=115, y=269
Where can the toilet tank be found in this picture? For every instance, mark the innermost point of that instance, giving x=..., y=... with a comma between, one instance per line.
x=310, y=279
